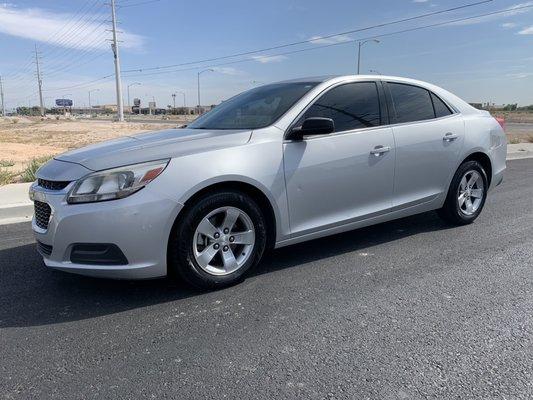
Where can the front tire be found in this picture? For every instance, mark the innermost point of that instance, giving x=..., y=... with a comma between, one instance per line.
x=217, y=240
x=466, y=195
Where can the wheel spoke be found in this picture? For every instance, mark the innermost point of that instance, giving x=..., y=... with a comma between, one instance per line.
x=477, y=193
x=473, y=178
x=229, y=260
x=463, y=183
x=469, y=206
x=231, y=217
x=205, y=257
x=206, y=228
x=243, y=237
x=461, y=199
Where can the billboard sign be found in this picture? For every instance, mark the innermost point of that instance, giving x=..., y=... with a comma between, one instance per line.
x=63, y=102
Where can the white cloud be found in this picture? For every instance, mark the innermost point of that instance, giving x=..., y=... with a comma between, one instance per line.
x=526, y=31
x=269, y=59
x=330, y=40
x=60, y=30
x=420, y=1
x=508, y=25
x=513, y=10
x=227, y=70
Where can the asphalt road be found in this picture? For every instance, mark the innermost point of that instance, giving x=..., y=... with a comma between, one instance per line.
x=404, y=310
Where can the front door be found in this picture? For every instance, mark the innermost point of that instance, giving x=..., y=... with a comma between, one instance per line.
x=346, y=175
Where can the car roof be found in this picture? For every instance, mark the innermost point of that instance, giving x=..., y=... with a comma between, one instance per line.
x=325, y=78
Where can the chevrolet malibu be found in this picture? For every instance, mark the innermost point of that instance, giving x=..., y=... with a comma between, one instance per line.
x=276, y=165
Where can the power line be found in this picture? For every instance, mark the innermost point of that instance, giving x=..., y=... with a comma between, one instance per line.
x=79, y=85
x=313, y=39
x=79, y=23
x=337, y=44
x=297, y=51
x=137, y=4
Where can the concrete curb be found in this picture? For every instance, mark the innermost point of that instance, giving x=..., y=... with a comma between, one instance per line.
x=519, y=150
x=16, y=207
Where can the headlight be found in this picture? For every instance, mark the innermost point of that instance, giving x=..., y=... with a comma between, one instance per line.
x=115, y=183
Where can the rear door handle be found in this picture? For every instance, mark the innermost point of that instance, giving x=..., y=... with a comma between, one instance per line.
x=450, y=137
x=379, y=150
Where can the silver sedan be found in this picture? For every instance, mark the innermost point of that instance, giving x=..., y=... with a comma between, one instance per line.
x=279, y=164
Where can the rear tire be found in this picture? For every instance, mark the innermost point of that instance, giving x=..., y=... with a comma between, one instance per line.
x=217, y=240
x=466, y=195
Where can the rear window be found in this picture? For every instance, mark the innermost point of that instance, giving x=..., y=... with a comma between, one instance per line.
x=441, y=109
x=411, y=103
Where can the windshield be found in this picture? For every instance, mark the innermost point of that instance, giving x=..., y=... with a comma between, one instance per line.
x=256, y=108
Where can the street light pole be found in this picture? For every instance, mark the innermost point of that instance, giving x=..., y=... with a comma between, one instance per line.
x=2, y=98
x=131, y=84
x=199, y=73
x=93, y=90
x=361, y=44
x=182, y=93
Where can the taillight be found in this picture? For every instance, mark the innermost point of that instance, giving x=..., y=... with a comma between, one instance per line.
x=501, y=121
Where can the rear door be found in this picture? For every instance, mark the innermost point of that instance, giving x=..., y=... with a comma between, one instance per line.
x=428, y=135
x=346, y=175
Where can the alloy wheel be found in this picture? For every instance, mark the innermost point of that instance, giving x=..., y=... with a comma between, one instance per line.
x=223, y=241
x=470, y=192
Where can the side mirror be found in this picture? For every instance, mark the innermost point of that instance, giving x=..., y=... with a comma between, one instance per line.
x=313, y=126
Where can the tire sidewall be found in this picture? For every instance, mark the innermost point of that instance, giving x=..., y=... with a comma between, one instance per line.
x=183, y=260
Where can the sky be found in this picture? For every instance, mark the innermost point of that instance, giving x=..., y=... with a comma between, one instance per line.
x=485, y=59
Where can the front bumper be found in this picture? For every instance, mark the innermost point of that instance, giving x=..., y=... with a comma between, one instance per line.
x=139, y=225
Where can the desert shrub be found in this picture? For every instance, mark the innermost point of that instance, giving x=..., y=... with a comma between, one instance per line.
x=7, y=163
x=28, y=175
x=5, y=177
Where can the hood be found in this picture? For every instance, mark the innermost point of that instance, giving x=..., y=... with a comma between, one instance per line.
x=153, y=146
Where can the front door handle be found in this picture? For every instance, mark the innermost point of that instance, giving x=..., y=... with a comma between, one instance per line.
x=450, y=137
x=379, y=150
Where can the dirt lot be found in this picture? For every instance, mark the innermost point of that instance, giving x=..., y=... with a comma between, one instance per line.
x=515, y=116
x=23, y=139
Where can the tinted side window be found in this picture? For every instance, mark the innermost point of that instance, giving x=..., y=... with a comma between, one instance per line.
x=350, y=106
x=441, y=109
x=411, y=103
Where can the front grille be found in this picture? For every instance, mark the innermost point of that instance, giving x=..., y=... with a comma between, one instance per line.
x=52, y=185
x=42, y=214
x=44, y=249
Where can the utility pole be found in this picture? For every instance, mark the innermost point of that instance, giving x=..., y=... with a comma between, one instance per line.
x=361, y=44
x=39, y=81
x=114, y=46
x=2, y=98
